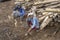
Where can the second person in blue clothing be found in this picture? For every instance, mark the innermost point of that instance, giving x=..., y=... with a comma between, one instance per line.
x=19, y=11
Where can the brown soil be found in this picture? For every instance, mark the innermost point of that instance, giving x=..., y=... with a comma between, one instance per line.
x=9, y=32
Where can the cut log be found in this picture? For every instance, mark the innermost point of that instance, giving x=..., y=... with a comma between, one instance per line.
x=19, y=0
x=54, y=6
x=51, y=3
x=45, y=22
x=52, y=10
x=41, y=18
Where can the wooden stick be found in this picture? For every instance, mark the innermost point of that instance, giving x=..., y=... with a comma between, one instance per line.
x=15, y=23
x=8, y=36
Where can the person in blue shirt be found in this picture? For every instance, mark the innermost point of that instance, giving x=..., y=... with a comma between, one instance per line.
x=19, y=11
x=32, y=22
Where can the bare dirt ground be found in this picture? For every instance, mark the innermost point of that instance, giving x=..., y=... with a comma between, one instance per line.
x=9, y=32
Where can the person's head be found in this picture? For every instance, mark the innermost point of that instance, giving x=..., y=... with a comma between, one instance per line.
x=30, y=15
x=18, y=5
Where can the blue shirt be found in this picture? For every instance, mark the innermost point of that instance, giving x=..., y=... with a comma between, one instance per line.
x=34, y=22
x=21, y=10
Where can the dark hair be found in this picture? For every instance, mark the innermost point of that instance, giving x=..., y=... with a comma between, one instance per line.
x=17, y=7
